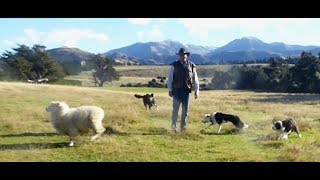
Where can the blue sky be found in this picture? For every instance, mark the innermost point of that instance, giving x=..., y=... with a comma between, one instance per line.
x=99, y=35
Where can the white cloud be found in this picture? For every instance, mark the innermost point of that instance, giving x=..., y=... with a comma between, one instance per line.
x=201, y=27
x=8, y=42
x=140, y=34
x=218, y=23
x=19, y=40
x=33, y=35
x=154, y=34
x=66, y=37
x=139, y=21
x=160, y=24
x=70, y=37
x=162, y=20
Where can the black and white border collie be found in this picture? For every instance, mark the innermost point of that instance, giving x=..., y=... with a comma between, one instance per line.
x=286, y=127
x=220, y=118
x=148, y=100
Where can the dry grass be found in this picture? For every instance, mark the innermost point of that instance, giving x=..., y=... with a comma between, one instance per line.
x=143, y=74
x=153, y=71
x=136, y=134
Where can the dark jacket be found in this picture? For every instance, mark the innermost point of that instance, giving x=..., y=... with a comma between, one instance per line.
x=182, y=75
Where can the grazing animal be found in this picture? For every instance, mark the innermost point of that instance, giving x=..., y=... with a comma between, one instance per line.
x=286, y=127
x=220, y=118
x=73, y=121
x=148, y=100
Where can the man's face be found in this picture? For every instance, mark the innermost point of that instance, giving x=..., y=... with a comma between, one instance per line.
x=183, y=57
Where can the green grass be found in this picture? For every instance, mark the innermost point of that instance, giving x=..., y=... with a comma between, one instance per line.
x=68, y=82
x=153, y=71
x=136, y=134
x=144, y=74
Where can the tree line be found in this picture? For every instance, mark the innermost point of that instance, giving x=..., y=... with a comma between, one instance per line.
x=278, y=76
x=34, y=64
x=296, y=75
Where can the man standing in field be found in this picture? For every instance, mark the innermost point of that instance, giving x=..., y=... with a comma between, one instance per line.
x=182, y=79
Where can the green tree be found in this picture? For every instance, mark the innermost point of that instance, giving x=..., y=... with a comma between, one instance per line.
x=20, y=66
x=278, y=74
x=306, y=74
x=71, y=67
x=5, y=71
x=103, y=70
x=248, y=77
x=32, y=63
x=223, y=80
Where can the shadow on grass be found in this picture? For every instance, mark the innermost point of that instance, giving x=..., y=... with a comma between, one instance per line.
x=156, y=131
x=289, y=98
x=113, y=131
x=269, y=137
x=318, y=119
x=30, y=146
x=273, y=144
x=29, y=134
x=153, y=131
x=270, y=140
x=226, y=132
x=149, y=131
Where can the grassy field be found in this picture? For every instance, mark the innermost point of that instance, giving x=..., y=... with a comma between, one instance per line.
x=149, y=71
x=135, y=134
x=143, y=74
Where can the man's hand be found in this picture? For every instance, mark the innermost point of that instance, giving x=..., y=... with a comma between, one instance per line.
x=170, y=93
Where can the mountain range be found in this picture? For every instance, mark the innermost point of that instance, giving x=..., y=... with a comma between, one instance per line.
x=64, y=54
x=163, y=52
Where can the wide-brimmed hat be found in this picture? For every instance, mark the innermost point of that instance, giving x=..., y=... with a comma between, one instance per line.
x=183, y=51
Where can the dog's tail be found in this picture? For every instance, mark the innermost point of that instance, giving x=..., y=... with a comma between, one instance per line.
x=138, y=96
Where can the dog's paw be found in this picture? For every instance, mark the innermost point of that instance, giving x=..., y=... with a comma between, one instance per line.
x=71, y=144
x=278, y=138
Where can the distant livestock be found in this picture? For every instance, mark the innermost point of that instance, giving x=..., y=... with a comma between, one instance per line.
x=73, y=121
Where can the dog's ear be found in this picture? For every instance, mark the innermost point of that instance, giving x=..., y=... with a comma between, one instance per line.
x=151, y=94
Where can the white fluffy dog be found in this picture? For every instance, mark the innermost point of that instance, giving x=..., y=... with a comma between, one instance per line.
x=72, y=121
